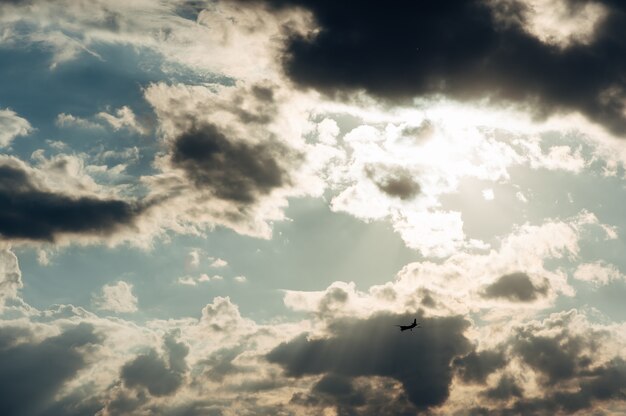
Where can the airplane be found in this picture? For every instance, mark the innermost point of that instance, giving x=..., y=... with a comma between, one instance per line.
x=415, y=324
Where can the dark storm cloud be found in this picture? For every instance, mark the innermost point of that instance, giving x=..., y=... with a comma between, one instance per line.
x=373, y=347
x=516, y=287
x=152, y=372
x=28, y=212
x=394, y=182
x=476, y=366
x=459, y=48
x=231, y=170
x=32, y=373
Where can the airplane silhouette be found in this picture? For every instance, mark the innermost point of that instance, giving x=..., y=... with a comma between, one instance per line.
x=415, y=324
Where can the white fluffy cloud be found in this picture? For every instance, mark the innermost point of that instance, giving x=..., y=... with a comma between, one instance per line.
x=12, y=126
x=510, y=282
x=117, y=297
x=262, y=166
x=10, y=275
x=598, y=273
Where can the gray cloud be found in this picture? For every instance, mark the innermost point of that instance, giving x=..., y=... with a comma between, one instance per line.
x=572, y=378
x=221, y=363
x=463, y=50
x=476, y=366
x=603, y=384
x=30, y=213
x=31, y=373
x=373, y=347
x=364, y=396
x=558, y=358
x=516, y=287
x=151, y=371
x=230, y=169
x=395, y=182
x=506, y=389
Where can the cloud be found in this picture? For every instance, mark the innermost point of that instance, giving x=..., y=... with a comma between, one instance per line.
x=117, y=297
x=70, y=120
x=151, y=371
x=10, y=275
x=159, y=376
x=229, y=169
x=355, y=396
x=476, y=366
x=124, y=117
x=33, y=372
x=193, y=281
x=396, y=183
x=234, y=154
x=218, y=263
x=30, y=211
x=240, y=279
x=373, y=347
x=564, y=355
x=506, y=389
x=517, y=287
x=488, y=194
x=457, y=285
x=12, y=126
x=468, y=50
x=598, y=273
x=193, y=259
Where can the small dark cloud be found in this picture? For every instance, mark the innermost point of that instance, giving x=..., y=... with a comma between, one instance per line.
x=506, y=389
x=476, y=366
x=419, y=133
x=28, y=212
x=372, y=347
x=395, y=182
x=32, y=373
x=263, y=93
x=516, y=287
x=230, y=169
x=152, y=372
x=464, y=49
x=220, y=363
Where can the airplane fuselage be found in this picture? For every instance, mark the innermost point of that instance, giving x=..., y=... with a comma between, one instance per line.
x=405, y=327
x=415, y=324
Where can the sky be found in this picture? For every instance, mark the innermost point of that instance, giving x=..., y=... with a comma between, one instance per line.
x=225, y=207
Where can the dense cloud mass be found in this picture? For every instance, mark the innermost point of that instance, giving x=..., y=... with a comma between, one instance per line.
x=32, y=372
x=476, y=366
x=421, y=159
x=373, y=347
x=466, y=49
x=231, y=170
x=159, y=377
x=30, y=213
